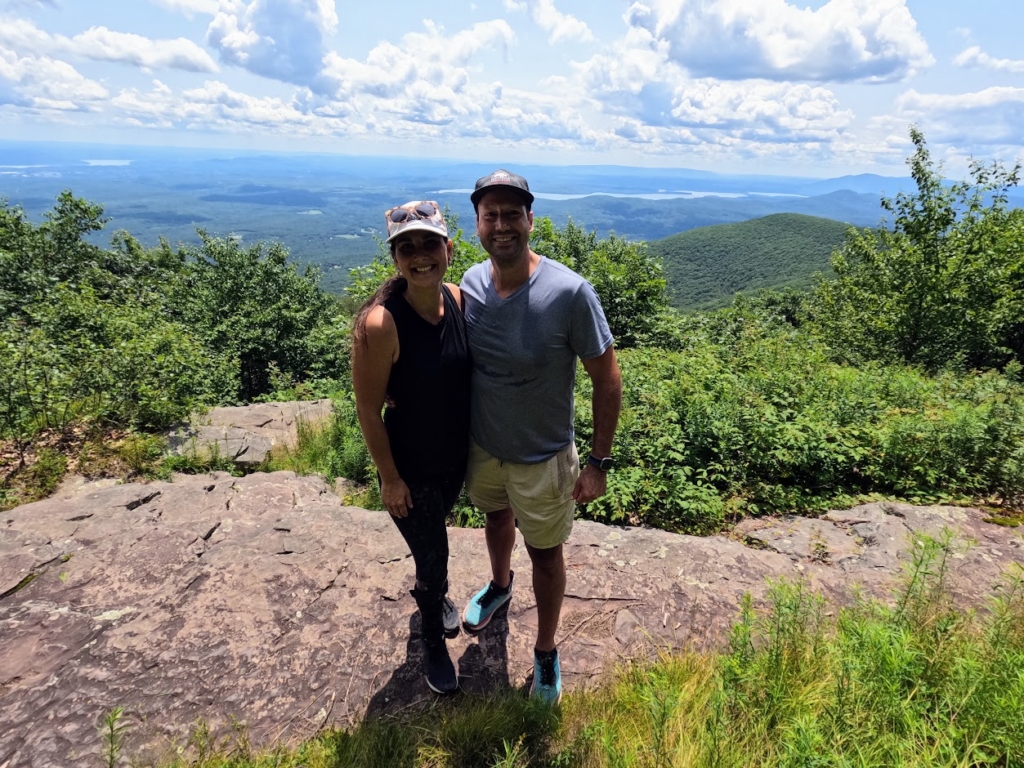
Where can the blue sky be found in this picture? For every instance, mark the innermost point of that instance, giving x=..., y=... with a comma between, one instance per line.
x=745, y=86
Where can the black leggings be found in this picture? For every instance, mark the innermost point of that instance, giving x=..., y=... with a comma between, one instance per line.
x=424, y=529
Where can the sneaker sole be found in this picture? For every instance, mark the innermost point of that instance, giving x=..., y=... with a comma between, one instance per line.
x=474, y=629
x=439, y=692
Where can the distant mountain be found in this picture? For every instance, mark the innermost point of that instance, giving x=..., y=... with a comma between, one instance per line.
x=707, y=266
x=328, y=209
x=868, y=183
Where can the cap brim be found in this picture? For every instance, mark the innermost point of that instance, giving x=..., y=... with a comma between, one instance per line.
x=479, y=193
x=418, y=225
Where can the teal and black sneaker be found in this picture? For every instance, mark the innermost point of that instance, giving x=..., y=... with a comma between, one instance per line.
x=547, y=677
x=485, y=604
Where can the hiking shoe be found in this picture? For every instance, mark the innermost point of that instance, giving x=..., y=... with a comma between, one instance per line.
x=485, y=604
x=547, y=677
x=450, y=615
x=438, y=668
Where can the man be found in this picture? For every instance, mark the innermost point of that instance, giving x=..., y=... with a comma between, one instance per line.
x=529, y=319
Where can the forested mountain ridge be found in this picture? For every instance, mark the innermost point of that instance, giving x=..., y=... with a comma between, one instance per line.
x=707, y=266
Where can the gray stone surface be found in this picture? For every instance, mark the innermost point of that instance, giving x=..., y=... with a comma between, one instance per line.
x=246, y=434
x=265, y=599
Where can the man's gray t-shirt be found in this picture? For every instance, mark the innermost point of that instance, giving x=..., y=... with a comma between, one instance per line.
x=524, y=349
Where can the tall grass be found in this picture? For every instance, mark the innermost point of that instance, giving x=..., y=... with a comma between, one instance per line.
x=913, y=683
x=332, y=449
x=336, y=449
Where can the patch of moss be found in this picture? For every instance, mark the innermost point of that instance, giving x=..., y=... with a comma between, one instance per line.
x=1008, y=522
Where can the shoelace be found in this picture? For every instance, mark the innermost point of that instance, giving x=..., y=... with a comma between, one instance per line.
x=547, y=672
x=492, y=594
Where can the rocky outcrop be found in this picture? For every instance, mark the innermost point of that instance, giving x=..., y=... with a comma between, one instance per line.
x=246, y=434
x=266, y=600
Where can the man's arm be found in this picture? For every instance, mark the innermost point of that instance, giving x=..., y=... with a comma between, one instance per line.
x=607, y=401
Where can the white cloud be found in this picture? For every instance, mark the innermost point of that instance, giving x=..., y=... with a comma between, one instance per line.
x=40, y=82
x=974, y=57
x=559, y=26
x=656, y=100
x=102, y=44
x=29, y=3
x=190, y=7
x=759, y=108
x=993, y=116
x=216, y=106
x=280, y=39
x=427, y=62
x=843, y=40
x=420, y=90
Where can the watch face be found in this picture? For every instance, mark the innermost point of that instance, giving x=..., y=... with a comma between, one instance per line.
x=603, y=464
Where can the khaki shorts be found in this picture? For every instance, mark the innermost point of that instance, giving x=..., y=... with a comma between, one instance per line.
x=539, y=494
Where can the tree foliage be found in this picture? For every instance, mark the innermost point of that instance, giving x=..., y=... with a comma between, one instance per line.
x=627, y=279
x=944, y=286
x=139, y=337
x=251, y=304
x=782, y=402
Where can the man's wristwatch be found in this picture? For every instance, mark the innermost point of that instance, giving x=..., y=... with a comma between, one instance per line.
x=602, y=464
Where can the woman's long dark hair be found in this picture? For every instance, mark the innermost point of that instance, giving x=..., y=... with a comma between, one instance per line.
x=390, y=287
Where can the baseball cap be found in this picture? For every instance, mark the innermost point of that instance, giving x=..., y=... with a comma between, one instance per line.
x=502, y=178
x=415, y=215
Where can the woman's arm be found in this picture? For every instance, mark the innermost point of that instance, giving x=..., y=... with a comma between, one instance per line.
x=371, y=368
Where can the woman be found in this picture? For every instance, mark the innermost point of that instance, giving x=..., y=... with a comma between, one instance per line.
x=410, y=349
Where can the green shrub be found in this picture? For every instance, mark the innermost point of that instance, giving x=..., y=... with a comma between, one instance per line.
x=753, y=418
x=943, y=286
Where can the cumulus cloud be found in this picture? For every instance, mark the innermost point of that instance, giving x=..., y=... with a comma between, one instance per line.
x=655, y=99
x=993, y=116
x=218, y=107
x=29, y=3
x=844, y=40
x=429, y=58
x=974, y=57
x=40, y=82
x=102, y=44
x=424, y=79
x=559, y=26
x=280, y=39
x=795, y=112
x=190, y=7
x=523, y=118
x=420, y=89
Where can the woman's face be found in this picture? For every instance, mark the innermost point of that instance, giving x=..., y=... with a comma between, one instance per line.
x=422, y=257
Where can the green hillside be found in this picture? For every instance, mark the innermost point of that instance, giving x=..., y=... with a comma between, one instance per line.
x=705, y=267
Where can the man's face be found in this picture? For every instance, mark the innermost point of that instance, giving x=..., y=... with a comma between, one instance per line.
x=503, y=225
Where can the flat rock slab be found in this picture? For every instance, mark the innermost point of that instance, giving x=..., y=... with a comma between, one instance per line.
x=263, y=599
x=246, y=434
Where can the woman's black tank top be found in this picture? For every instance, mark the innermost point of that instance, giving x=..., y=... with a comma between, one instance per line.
x=428, y=427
